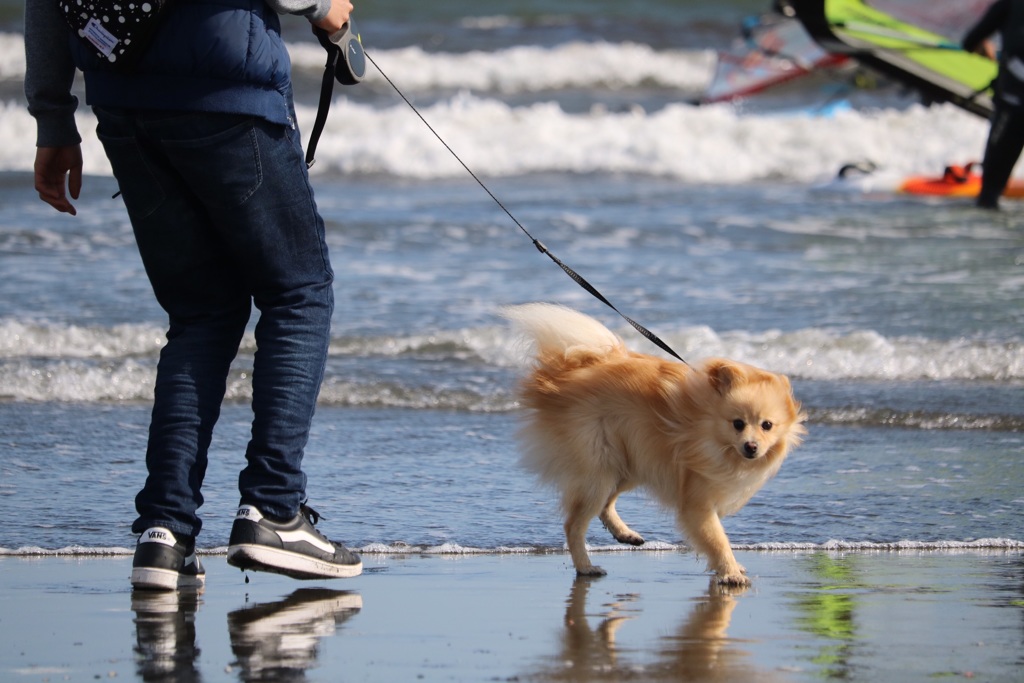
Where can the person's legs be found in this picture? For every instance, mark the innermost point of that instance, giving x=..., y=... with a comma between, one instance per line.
x=1003, y=148
x=274, y=236
x=251, y=229
x=208, y=307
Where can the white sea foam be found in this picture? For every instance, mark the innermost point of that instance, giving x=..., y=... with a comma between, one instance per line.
x=513, y=69
x=530, y=68
x=811, y=353
x=55, y=362
x=867, y=355
x=714, y=144
x=66, y=551
x=693, y=144
x=864, y=546
x=12, y=57
x=454, y=549
x=26, y=340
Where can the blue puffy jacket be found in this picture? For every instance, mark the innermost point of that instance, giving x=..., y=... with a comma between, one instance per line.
x=209, y=55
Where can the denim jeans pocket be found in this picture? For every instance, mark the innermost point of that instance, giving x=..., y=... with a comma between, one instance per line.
x=222, y=167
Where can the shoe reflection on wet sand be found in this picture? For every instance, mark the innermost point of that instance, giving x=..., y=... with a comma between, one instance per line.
x=272, y=641
x=276, y=641
x=699, y=650
x=165, y=634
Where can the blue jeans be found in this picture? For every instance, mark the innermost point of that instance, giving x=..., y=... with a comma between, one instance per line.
x=224, y=218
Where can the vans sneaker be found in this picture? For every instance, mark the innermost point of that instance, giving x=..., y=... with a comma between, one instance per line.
x=292, y=547
x=162, y=562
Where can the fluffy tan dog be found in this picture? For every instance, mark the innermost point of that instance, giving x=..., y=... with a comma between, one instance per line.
x=604, y=420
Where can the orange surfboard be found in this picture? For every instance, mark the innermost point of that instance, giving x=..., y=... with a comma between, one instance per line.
x=956, y=181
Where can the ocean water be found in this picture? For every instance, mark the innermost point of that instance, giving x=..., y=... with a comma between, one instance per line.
x=900, y=320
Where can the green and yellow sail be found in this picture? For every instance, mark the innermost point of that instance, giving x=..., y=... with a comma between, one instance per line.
x=919, y=58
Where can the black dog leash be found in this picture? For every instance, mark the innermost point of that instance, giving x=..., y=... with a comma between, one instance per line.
x=346, y=63
x=581, y=281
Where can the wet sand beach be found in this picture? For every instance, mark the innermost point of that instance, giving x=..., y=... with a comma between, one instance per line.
x=857, y=616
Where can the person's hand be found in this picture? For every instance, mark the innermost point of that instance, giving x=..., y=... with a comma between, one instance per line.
x=57, y=168
x=987, y=48
x=336, y=18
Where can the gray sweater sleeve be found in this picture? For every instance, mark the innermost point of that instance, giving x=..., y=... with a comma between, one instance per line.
x=49, y=75
x=314, y=10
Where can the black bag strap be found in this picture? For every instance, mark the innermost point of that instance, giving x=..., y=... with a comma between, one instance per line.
x=326, y=93
x=346, y=63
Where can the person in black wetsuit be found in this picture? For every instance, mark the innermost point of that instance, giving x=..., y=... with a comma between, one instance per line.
x=1006, y=134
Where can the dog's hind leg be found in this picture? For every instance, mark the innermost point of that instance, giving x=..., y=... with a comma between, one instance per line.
x=578, y=513
x=614, y=524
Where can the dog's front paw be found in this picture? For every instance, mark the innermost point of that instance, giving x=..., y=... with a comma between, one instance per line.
x=733, y=579
x=590, y=571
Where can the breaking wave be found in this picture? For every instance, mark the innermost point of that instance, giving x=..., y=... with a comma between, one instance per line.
x=472, y=101
x=474, y=368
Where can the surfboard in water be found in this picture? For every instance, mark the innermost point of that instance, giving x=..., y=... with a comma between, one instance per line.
x=921, y=58
x=955, y=181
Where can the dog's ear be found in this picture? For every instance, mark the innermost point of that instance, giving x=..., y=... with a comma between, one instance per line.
x=721, y=375
x=786, y=384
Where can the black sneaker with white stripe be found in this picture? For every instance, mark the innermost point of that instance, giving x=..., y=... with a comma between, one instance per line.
x=163, y=562
x=292, y=547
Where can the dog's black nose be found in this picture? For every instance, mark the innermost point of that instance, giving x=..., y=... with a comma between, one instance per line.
x=750, y=449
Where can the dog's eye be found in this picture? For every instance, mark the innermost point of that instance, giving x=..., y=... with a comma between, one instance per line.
x=766, y=426
x=739, y=425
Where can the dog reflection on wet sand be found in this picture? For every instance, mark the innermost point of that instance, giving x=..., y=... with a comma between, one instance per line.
x=699, y=650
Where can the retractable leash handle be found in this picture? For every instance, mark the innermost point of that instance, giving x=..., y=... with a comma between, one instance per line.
x=346, y=63
x=347, y=44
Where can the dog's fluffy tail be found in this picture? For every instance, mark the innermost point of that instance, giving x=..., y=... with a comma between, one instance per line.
x=556, y=329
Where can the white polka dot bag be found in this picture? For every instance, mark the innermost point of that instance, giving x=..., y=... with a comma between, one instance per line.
x=118, y=30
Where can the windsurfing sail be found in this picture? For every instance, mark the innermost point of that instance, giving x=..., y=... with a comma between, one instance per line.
x=774, y=49
x=927, y=61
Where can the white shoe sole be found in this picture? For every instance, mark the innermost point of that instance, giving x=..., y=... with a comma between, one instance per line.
x=164, y=579
x=296, y=565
